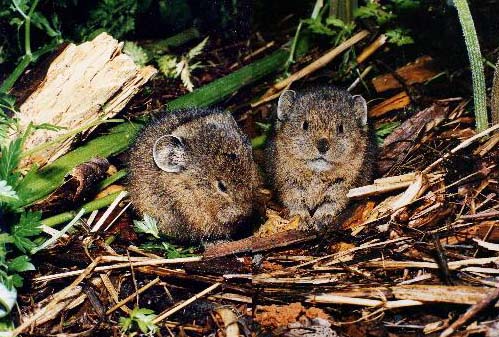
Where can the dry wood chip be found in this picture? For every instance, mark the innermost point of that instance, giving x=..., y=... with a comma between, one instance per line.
x=419, y=71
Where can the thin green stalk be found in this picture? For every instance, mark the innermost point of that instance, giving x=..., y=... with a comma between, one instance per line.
x=16, y=73
x=68, y=135
x=476, y=63
x=27, y=29
x=88, y=208
x=112, y=179
x=177, y=40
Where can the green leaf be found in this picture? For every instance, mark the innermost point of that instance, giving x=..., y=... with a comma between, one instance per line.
x=7, y=194
x=374, y=11
x=11, y=155
x=20, y=264
x=384, y=130
x=147, y=226
x=198, y=49
x=167, y=64
x=137, y=53
x=28, y=226
x=143, y=318
x=8, y=297
x=399, y=37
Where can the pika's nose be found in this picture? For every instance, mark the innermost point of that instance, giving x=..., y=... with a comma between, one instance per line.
x=322, y=145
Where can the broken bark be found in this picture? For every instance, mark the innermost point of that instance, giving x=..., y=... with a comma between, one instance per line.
x=85, y=84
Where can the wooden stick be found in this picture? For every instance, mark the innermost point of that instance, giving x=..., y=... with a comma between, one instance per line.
x=185, y=303
x=149, y=262
x=472, y=311
x=317, y=64
x=335, y=299
x=132, y=296
x=369, y=50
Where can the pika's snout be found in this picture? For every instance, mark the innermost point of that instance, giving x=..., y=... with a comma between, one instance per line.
x=322, y=145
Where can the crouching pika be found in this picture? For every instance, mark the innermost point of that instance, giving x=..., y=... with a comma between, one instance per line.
x=193, y=171
x=320, y=148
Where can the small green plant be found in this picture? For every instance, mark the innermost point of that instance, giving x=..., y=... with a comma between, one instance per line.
x=169, y=250
x=399, y=37
x=19, y=227
x=172, y=66
x=140, y=318
x=138, y=54
x=147, y=226
x=384, y=130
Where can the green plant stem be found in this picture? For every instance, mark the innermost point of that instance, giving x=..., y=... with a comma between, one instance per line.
x=27, y=29
x=476, y=63
x=16, y=73
x=66, y=136
x=21, y=66
x=177, y=40
x=88, y=207
x=112, y=179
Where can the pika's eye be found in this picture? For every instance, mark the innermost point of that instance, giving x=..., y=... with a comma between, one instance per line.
x=221, y=186
x=305, y=125
x=340, y=129
x=232, y=156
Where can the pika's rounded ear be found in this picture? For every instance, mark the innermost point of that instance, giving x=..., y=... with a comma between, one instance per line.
x=168, y=153
x=360, y=106
x=286, y=100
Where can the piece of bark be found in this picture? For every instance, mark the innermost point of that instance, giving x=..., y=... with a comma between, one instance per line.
x=77, y=186
x=84, y=84
x=399, y=101
x=255, y=244
x=419, y=71
x=400, y=141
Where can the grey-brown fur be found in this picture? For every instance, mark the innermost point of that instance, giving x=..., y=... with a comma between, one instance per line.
x=309, y=183
x=205, y=186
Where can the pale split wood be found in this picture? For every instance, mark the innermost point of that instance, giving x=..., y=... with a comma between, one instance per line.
x=86, y=82
x=230, y=320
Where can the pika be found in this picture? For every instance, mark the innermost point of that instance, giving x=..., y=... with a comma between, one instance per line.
x=321, y=147
x=193, y=171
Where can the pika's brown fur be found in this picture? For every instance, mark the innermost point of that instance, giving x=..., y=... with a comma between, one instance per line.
x=321, y=147
x=193, y=171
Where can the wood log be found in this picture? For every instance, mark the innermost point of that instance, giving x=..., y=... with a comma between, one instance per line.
x=86, y=83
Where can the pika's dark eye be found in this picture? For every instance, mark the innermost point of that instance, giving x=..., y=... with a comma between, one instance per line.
x=340, y=129
x=232, y=156
x=221, y=186
x=305, y=125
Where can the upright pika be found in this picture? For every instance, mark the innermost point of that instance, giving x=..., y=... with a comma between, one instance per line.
x=193, y=171
x=320, y=148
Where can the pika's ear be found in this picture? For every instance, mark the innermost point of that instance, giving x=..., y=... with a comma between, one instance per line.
x=286, y=100
x=168, y=153
x=360, y=106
